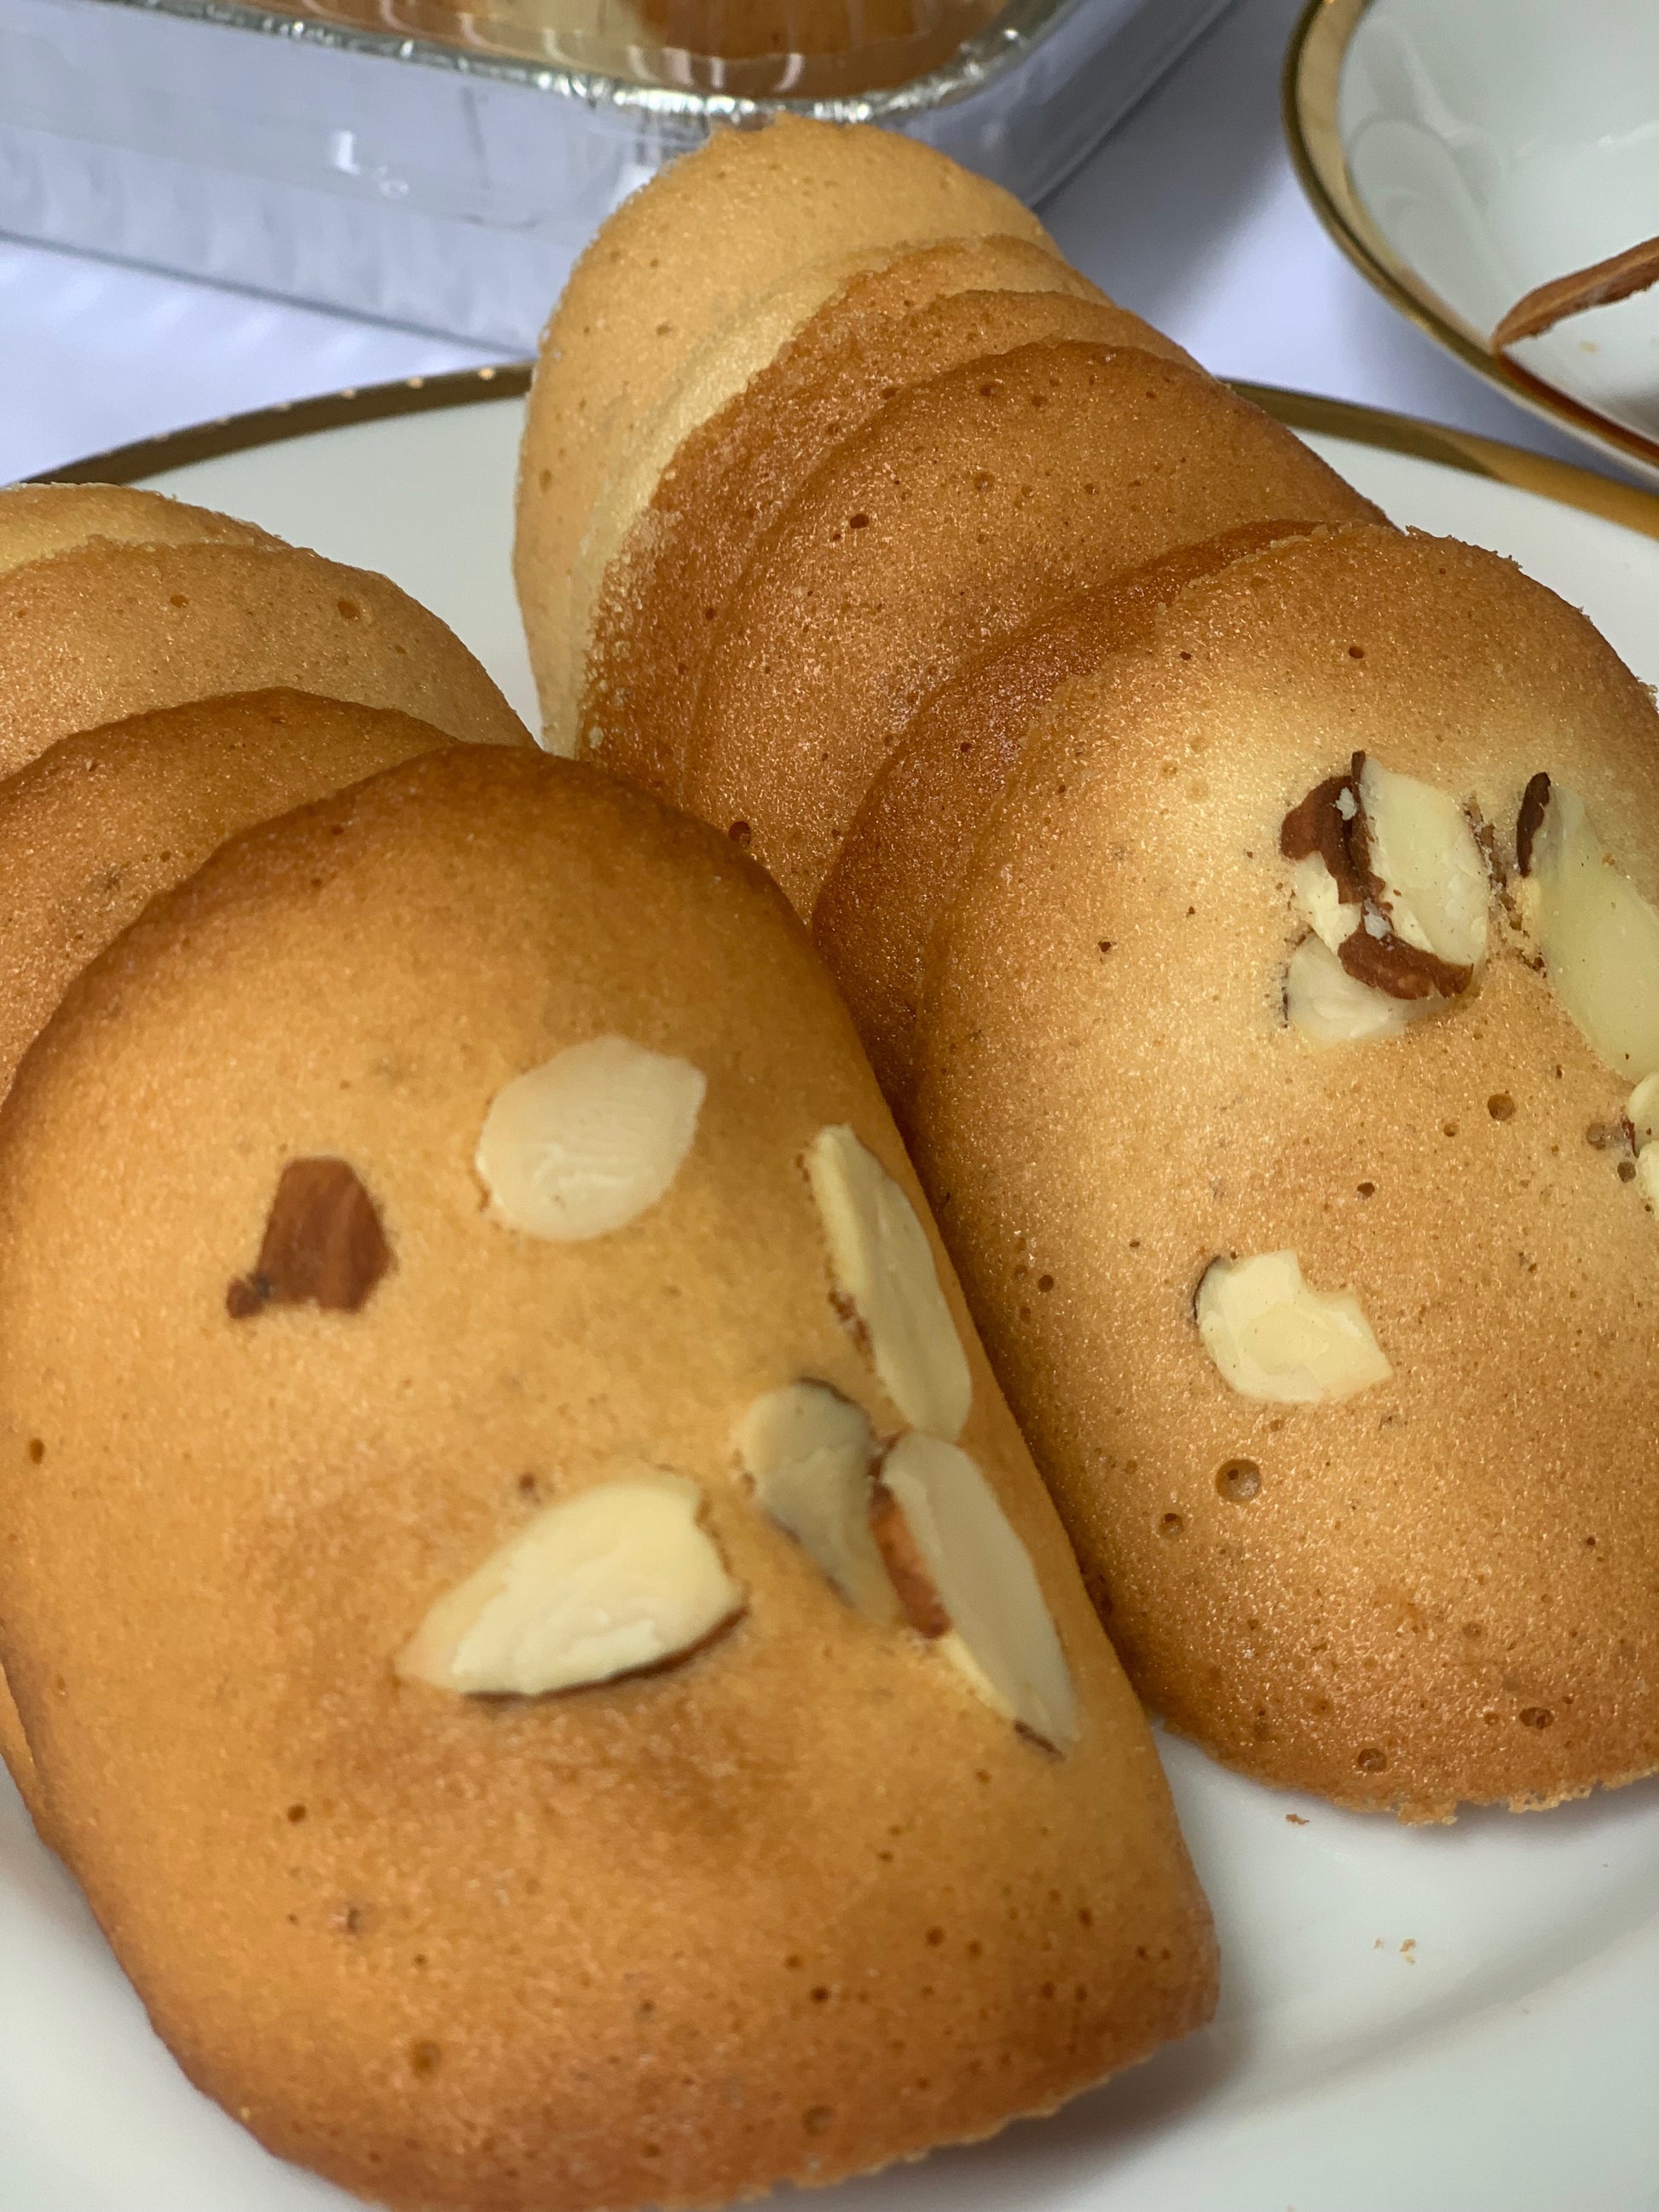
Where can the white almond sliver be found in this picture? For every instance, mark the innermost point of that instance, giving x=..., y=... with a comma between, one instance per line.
x=1273, y=1337
x=1000, y=1635
x=1599, y=937
x=1641, y=1111
x=1316, y=893
x=883, y=1267
x=1436, y=884
x=809, y=1453
x=1327, y=1005
x=615, y=1579
x=584, y=1144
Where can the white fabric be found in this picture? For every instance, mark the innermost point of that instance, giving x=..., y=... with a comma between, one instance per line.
x=1189, y=213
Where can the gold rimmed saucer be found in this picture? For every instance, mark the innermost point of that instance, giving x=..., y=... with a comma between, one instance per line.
x=1313, y=69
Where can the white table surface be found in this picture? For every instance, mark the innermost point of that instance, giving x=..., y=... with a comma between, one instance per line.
x=1189, y=213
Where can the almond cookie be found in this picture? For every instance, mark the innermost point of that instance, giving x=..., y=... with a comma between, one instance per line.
x=94, y=827
x=967, y=508
x=1286, y=1061
x=37, y=520
x=106, y=629
x=543, y=1642
x=91, y=830
x=902, y=859
x=795, y=205
x=657, y=573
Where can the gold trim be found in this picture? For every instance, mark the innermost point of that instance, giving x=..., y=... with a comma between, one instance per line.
x=1313, y=69
x=1569, y=485
x=294, y=418
x=1299, y=410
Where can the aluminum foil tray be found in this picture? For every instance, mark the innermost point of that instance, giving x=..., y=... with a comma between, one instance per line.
x=446, y=175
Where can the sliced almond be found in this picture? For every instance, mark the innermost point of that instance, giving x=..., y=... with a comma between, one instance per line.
x=323, y=1245
x=969, y=1584
x=884, y=1272
x=584, y=1144
x=1599, y=937
x=618, y=1578
x=1389, y=875
x=1529, y=820
x=1428, y=875
x=1641, y=1111
x=1273, y=1337
x=1315, y=838
x=1326, y=1005
x=1647, y=1176
x=1318, y=895
x=919, y=1601
x=809, y=1453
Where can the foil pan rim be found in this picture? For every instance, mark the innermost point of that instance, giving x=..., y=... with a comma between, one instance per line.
x=975, y=65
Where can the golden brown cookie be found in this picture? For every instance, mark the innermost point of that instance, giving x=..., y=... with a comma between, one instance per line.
x=462, y=1196
x=752, y=410
x=751, y=209
x=966, y=509
x=802, y=320
x=94, y=634
x=94, y=827
x=37, y=520
x=1404, y=1587
x=902, y=859
x=677, y=547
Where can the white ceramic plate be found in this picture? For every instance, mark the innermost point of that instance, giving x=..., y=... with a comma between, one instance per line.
x=1464, y=154
x=1454, y=2020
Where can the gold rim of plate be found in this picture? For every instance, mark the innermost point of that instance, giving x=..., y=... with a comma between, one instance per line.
x=1313, y=70
x=1623, y=503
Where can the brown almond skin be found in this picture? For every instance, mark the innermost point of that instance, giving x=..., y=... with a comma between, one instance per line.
x=728, y=481
x=1314, y=824
x=1402, y=970
x=919, y=1599
x=324, y=1243
x=1441, y=1590
x=902, y=860
x=989, y=494
x=1381, y=962
x=645, y=1945
x=1529, y=820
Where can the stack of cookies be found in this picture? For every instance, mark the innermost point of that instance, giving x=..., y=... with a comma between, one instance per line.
x=528, y=1614
x=113, y=602
x=1252, y=913
x=167, y=674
